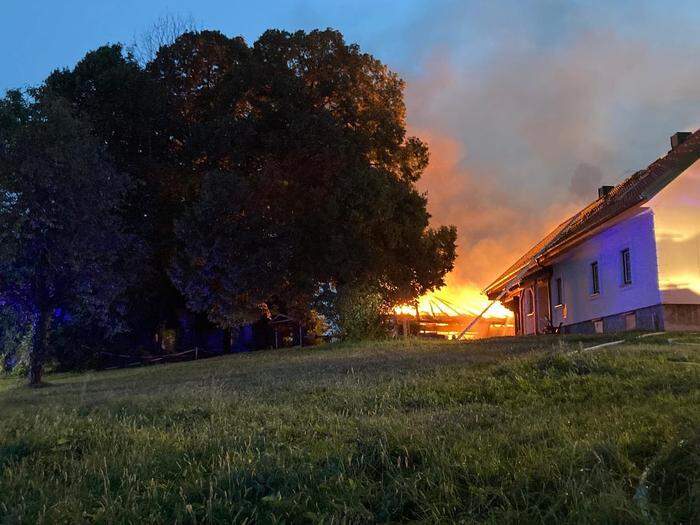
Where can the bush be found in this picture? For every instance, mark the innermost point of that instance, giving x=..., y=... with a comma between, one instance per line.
x=361, y=314
x=353, y=313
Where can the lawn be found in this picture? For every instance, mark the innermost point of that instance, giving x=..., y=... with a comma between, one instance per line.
x=509, y=430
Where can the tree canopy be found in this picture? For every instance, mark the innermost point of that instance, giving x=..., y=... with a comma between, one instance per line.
x=260, y=174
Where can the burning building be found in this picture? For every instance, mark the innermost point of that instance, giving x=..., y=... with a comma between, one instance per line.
x=629, y=260
x=440, y=318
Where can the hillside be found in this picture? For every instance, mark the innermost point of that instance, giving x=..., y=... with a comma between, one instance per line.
x=507, y=430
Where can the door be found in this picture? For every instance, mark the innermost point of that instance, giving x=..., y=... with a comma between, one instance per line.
x=529, y=319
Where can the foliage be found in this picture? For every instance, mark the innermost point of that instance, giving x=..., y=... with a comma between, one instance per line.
x=228, y=258
x=61, y=247
x=127, y=111
x=489, y=431
x=355, y=312
x=262, y=172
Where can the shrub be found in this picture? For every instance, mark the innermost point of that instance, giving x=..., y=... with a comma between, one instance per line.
x=353, y=312
x=361, y=314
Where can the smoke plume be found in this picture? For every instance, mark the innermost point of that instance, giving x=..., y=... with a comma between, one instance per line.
x=521, y=137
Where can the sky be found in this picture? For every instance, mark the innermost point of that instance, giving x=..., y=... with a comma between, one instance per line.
x=527, y=106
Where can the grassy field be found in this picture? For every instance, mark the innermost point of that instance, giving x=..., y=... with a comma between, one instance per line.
x=500, y=431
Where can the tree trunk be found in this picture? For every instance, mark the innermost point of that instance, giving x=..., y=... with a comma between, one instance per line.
x=227, y=341
x=38, y=352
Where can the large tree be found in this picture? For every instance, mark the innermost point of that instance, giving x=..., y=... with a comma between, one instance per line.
x=61, y=243
x=313, y=183
x=262, y=173
x=127, y=111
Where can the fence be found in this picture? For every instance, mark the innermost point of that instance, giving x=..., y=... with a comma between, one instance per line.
x=112, y=361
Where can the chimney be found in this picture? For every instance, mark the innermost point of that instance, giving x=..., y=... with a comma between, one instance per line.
x=679, y=138
x=604, y=190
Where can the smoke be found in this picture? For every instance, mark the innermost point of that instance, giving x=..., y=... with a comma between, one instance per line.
x=495, y=224
x=585, y=180
x=522, y=135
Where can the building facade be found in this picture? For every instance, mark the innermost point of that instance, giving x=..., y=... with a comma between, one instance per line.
x=629, y=260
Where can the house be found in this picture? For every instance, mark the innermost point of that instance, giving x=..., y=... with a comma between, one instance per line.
x=629, y=260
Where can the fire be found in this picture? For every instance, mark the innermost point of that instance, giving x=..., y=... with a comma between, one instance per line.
x=456, y=299
x=447, y=312
x=494, y=225
x=466, y=299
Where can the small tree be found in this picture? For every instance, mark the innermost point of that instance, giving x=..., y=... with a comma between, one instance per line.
x=163, y=32
x=61, y=245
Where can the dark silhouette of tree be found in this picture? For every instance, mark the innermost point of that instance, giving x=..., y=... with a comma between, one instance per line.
x=314, y=185
x=61, y=245
x=127, y=111
x=261, y=173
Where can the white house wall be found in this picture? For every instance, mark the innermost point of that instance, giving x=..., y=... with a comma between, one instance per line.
x=636, y=232
x=677, y=229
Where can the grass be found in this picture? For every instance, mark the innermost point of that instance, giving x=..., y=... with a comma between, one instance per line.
x=514, y=430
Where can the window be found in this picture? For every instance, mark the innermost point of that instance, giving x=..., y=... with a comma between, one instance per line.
x=598, y=326
x=559, y=297
x=595, y=280
x=528, y=303
x=626, y=266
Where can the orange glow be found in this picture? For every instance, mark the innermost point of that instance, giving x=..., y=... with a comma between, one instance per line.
x=493, y=225
x=677, y=228
x=467, y=299
x=456, y=300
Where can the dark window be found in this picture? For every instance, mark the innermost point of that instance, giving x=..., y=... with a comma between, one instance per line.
x=626, y=267
x=559, y=297
x=595, y=280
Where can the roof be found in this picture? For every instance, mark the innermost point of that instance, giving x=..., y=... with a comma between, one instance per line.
x=633, y=191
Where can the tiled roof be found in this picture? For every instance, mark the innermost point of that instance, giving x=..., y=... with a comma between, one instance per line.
x=634, y=190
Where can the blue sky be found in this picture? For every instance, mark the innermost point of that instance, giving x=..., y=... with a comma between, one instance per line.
x=40, y=35
x=527, y=105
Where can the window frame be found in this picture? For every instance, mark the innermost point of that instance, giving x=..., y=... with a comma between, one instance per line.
x=598, y=326
x=559, y=291
x=626, y=262
x=595, y=278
